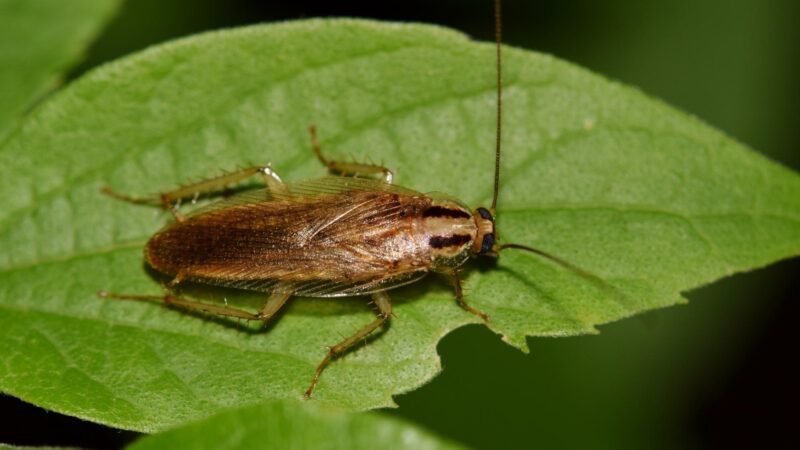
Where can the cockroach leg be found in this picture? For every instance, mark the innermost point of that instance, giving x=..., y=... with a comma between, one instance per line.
x=385, y=311
x=171, y=200
x=210, y=185
x=272, y=305
x=348, y=168
x=274, y=183
x=459, y=293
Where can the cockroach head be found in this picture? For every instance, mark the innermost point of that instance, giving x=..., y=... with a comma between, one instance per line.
x=485, y=240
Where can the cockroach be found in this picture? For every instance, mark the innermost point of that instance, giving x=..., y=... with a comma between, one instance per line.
x=352, y=235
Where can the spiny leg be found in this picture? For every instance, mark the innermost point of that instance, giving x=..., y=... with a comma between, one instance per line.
x=459, y=293
x=170, y=200
x=273, y=304
x=384, y=311
x=347, y=168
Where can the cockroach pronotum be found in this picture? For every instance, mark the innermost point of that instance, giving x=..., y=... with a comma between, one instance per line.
x=351, y=235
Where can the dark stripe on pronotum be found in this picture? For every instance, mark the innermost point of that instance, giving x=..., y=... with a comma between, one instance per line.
x=487, y=244
x=439, y=211
x=448, y=241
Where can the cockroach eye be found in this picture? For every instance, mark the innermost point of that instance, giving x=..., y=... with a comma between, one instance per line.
x=488, y=243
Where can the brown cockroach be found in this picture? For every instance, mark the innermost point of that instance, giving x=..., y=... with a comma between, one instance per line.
x=333, y=237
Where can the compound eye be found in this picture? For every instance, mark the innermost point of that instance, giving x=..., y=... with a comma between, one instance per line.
x=488, y=243
x=483, y=212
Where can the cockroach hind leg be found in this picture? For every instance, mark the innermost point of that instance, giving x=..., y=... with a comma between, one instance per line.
x=186, y=304
x=385, y=312
x=348, y=168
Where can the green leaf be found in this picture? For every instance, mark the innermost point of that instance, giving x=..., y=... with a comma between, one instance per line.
x=648, y=199
x=290, y=424
x=39, y=41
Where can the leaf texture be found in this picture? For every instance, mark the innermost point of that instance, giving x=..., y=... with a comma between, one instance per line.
x=39, y=40
x=649, y=200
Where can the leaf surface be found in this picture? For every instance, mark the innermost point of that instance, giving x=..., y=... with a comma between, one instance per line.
x=646, y=198
x=39, y=40
x=290, y=424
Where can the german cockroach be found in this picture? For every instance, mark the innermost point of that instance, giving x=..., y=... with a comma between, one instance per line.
x=333, y=237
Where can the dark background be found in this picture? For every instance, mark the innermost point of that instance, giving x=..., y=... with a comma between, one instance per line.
x=716, y=373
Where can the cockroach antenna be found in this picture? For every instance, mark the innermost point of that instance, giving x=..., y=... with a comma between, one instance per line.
x=498, y=29
x=497, y=248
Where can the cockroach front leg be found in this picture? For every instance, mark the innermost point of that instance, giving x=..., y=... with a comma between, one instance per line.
x=273, y=304
x=384, y=312
x=348, y=168
x=459, y=294
x=171, y=200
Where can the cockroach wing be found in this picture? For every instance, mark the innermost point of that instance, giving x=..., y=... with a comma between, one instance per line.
x=322, y=238
x=328, y=288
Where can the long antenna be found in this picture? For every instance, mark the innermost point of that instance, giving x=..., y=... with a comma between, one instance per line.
x=565, y=264
x=498, y=136
x=549, y=256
